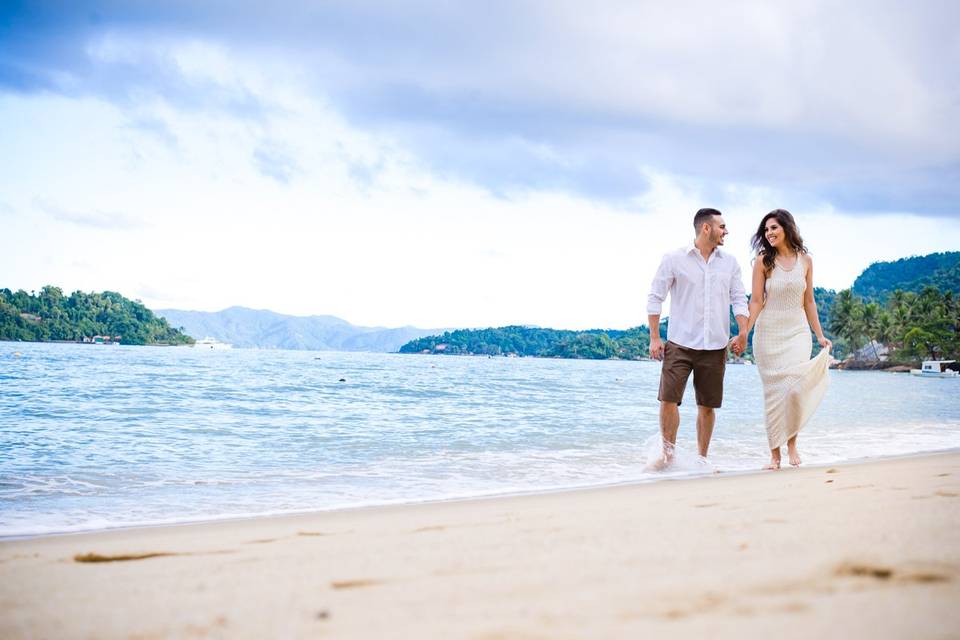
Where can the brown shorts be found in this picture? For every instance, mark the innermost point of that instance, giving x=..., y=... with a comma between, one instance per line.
x=707, y=367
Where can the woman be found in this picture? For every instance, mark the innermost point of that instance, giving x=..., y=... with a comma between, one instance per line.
x=783, y=308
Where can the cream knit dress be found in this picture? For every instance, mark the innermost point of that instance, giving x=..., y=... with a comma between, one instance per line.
x=793, y=383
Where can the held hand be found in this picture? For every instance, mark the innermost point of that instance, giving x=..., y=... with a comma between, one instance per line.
x=733, y=345
x=738, y=344
x=656, y=348
x=825, y=343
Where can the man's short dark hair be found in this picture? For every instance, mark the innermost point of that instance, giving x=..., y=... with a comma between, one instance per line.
x=703, y=216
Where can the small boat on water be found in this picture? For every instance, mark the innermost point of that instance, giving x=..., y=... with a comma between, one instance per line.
x=935, y=369
x=211, y=343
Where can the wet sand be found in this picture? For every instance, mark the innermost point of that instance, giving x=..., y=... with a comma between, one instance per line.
x=867, y=550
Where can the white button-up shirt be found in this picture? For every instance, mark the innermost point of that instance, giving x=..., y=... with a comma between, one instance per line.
x=701, y=292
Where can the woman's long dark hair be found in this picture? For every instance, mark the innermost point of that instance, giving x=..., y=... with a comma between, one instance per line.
x=762, y=247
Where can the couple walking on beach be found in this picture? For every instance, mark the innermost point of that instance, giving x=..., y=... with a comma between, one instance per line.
x=703, y=283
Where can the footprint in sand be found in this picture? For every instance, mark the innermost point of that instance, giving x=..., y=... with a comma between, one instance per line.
x=322, y=533
x=864, y=571
x=354, y=584
x=127, y=557
x=96, y=557
x=856, y=486
x=884, y=574
x=925, y=577
x=432, y=528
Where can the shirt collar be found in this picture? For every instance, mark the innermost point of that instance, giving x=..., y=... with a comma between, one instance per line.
x=692, y=248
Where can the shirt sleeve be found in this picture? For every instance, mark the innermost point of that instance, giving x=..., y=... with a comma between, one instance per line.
x=660, y=286
x=738, y=296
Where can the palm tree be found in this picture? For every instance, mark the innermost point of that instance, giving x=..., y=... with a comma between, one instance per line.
x=846, y=318
x=886, y=330
x=869, y=321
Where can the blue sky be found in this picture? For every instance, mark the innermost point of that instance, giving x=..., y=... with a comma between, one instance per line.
x=446, y=164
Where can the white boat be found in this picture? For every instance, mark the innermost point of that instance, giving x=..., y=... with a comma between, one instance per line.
x=211, y=343
x=935, y=369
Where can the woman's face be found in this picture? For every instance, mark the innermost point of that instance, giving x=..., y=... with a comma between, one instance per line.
x=773, y=232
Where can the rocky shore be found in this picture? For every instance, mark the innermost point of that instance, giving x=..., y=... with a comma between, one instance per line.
x=874, y=365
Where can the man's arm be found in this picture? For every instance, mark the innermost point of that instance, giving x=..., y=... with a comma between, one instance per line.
x=659, y=288
x=656, y=343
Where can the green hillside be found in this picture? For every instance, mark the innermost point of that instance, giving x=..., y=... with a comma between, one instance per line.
x=49, y=315
x=911, y=305
x=532, y=341
x=879, y=280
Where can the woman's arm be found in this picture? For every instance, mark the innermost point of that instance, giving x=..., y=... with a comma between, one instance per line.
x=810, y=306
x=758, y=294
x=757, y=300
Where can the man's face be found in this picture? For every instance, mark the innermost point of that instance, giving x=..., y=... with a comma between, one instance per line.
x=718, y=230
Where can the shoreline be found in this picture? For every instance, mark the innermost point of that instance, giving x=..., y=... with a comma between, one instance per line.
x=683, y=477
x=898, y=367
x=853, y=550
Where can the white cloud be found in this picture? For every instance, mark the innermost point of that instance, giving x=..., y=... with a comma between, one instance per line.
x=96, y=219
x=854, y=102
x=356, y=226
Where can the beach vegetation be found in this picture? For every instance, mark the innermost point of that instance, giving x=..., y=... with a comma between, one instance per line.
x=594, y=344
x=49, y=315
x=914, y=326
x=940, y=270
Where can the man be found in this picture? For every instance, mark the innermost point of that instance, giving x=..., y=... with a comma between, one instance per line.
x=702, y=282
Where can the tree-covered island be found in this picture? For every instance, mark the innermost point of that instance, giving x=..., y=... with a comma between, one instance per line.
x=908, y=307
x=596, y=344
x=51, y=316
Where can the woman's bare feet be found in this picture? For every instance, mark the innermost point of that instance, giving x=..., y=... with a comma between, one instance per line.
x=794, y=456
x=774, y=460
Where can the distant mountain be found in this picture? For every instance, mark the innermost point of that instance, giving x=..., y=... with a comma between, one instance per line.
x=941, y=270
x=243, y=327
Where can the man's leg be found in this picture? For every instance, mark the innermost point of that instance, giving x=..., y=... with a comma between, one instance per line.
x=706, y=417
x=708, y=371
x=669, y=425
x=673, y=379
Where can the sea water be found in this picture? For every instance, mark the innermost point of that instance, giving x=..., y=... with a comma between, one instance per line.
x=93, y=437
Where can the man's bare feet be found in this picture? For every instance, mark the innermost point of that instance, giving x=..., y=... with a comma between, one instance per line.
x=665, y=459
x=661, y=463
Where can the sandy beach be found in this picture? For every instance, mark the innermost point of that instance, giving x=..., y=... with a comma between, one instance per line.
x=866, y=550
